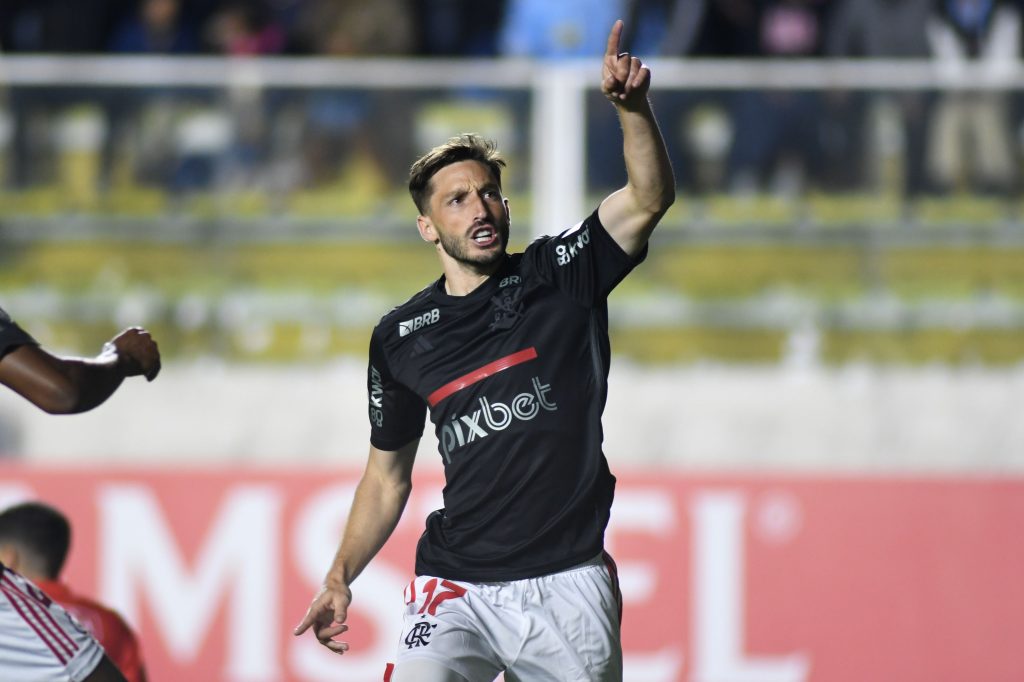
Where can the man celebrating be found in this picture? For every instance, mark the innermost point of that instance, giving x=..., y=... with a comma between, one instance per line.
x=510, y=353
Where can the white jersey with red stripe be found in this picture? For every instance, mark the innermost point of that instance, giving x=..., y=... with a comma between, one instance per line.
x=39, y=640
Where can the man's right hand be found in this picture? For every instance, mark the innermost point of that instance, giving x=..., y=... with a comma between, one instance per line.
x=326, y=616
x=137, y=353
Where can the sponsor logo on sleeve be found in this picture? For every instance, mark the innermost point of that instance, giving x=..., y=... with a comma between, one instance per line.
x=376, y=398
x=565, y=252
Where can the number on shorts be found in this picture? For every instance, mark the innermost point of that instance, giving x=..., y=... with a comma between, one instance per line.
x=430, y=603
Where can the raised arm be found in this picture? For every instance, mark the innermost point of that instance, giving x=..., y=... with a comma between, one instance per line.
x=631, y=213
x=61, y=385
x=378, y=504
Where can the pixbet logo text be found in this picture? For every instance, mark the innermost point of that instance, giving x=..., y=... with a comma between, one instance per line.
x=494, y=416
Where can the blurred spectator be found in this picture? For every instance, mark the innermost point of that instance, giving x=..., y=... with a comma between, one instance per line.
x=971, y=142
x=244, y=28
x=381, y=27
x=880, y=29
x=776, y=132
x=159, y=26
x=553, y=30
x=145, y=124
x=358, y=132
x=74, y=26
x=34, y=540
x=697, y=125
x=541, y=29
x=458, y=28
x=48, y=26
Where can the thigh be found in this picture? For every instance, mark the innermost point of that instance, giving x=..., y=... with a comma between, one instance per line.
x=577, y=628
x=445, y=632
x=424, y=670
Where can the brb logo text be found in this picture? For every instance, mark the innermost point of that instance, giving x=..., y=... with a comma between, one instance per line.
x=418, y=322
x=494, y=416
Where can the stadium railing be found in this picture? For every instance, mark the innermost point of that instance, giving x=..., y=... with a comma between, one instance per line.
x=229, y=195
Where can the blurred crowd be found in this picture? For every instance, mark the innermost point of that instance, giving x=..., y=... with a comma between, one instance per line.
x=736, y=141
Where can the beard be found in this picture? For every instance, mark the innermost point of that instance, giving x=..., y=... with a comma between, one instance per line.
x=458, y=250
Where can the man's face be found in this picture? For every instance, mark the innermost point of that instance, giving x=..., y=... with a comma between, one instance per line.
x=467, y=214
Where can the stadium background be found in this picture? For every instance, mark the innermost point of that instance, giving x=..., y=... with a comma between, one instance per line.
x=817, y=374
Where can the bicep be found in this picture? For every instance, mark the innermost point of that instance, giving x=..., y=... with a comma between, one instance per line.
x=393, y=467
x=628, y=223
x=106, y=671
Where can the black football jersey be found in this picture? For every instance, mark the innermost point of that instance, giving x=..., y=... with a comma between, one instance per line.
x=515, y=378
x=11, y=335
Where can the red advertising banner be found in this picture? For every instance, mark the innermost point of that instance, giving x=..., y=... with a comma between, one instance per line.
x=725, y=579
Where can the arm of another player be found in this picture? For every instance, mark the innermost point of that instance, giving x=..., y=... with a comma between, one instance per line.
x=631, y=213
x=71, y=385
x=378, y=504
x=106, y=671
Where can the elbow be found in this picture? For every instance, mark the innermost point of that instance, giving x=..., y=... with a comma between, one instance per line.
x=668, y=197
x=658, y=203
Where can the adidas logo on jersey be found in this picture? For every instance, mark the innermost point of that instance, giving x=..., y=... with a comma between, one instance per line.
x=418, y=322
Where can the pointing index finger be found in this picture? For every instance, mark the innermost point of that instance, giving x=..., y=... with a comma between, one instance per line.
x=613, y=39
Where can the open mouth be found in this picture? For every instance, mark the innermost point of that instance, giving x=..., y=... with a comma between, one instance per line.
x=484, y=236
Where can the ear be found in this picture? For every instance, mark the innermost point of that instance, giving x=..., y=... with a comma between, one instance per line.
x=508, y=211
x=426, y=229
x=9, y=556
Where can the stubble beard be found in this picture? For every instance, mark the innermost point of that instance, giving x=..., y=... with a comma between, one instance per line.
x=456, y=249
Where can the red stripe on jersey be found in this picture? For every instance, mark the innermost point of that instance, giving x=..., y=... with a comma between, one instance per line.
x=39, y=605
x=389, y=669
x=40, y=610
x=31, y=618
x=476, y=375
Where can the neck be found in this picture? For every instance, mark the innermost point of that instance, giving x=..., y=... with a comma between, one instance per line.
x=461, y=279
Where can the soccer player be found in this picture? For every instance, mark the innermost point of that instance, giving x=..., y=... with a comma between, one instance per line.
x=62, y=385
x=39, y=639
x=42, y=642
x=510, y=353
x=34, y=541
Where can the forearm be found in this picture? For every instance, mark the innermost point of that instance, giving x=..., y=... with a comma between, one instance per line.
x=94, y=380
x=376, y=509
x=61, y=385
x=648, y=170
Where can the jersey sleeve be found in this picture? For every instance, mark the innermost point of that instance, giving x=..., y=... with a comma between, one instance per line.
x=11, y=335
x=397, y=414
x=123, y=649
x=583, y=261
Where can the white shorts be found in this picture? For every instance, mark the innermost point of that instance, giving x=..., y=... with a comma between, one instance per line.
x=39, y=640
x=563, y=626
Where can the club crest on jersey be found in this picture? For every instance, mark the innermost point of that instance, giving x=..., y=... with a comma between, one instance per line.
x=494, y=416
x=419, y=322
x=508, y=303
